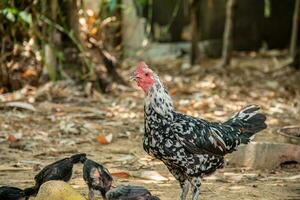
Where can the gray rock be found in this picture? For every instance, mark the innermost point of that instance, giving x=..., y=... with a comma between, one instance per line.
x=264, y=155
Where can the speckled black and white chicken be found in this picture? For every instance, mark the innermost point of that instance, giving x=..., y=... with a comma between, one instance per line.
x=59, y=170
x=14, y=193
x=97, y=177
x=130, y=192
x=190, y=147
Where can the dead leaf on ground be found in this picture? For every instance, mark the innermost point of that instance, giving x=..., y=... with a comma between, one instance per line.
x=23, y=105
x=29, y=73
x=105, y=139
x=121, y=174
x=150, y=175
x=11, y=138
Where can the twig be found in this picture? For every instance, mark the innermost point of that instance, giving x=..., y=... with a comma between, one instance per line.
x=228, y=33
x=293, y=42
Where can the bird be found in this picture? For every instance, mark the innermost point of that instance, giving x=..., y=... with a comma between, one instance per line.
x=190, y=147
x=130, y=192
x=97, y=177
x=14, y=193
x=59, y=170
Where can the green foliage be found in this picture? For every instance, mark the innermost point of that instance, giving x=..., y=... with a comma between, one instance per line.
x=25, y=16
x=9, y=13
x=143, y=3
x=13, y=14
x=267, y=9
x=112, y=5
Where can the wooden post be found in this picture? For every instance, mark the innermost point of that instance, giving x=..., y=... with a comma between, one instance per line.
x=228, y=33
x=195, y=15
x=50, y=68
x=294, y=34
x=133, y=32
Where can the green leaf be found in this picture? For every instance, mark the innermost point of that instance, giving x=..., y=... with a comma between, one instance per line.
x=10, y=17
x=142, y=2
x=25, y=16
x=10, y=13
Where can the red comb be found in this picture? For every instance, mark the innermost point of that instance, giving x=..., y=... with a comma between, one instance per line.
x=141, y=67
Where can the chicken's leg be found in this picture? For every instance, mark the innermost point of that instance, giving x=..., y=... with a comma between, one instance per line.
x=185, y=186
x=196, y=182
x=91, y=194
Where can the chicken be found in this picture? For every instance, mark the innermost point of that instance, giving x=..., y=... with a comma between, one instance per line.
x=97, y=177
x=59, y=170
x=14, y=193
x=130, y=192
x=190, y=147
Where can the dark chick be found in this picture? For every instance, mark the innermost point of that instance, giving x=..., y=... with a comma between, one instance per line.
x=13, y=193
x=130, y=192
x=59, y=170
x=97, y=177
x=190, y=147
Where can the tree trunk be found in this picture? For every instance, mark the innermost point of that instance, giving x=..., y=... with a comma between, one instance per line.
x=228, y=32
x=50, y=60
x=73, y=17
x=195, y=16
x=294, y=35
x=118, y=36
x=133, y=33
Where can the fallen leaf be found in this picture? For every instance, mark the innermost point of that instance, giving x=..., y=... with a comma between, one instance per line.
x=150, y=175
x=121, y=174
x=14, y=137
x=11, y=138
x=29, y=73
x=125, y=158
x=23, y=105
x=105, y=139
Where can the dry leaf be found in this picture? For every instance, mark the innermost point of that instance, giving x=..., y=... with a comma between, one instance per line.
x=125, y=158
x=94, y=31
x=105, y=139
x=11, y=138
x=121, y=174
x=150, y=175
x=23, y=105
x=29, y=73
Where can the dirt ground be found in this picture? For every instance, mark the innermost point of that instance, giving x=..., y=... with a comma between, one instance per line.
x=68, y=118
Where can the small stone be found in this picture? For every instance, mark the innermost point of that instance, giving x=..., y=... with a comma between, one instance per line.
x=255, y=154
x=58, y=190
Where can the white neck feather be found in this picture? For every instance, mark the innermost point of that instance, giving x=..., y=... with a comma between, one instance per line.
x=158, y=99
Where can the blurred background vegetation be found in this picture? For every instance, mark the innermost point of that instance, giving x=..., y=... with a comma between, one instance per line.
x=87, y=40
x=58, y=58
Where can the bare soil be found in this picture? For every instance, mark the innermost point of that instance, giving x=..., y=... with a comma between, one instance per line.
x=69, y=118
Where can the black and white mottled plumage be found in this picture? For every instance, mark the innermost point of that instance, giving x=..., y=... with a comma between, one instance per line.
x=97, y=177
x=190, y=147
x=14, y=193
x=59, y=170
x=130, y=192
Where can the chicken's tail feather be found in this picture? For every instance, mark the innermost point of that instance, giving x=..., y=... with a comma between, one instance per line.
x=249, y=121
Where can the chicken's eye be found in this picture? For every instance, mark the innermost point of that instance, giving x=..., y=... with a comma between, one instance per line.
x=147, y=74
